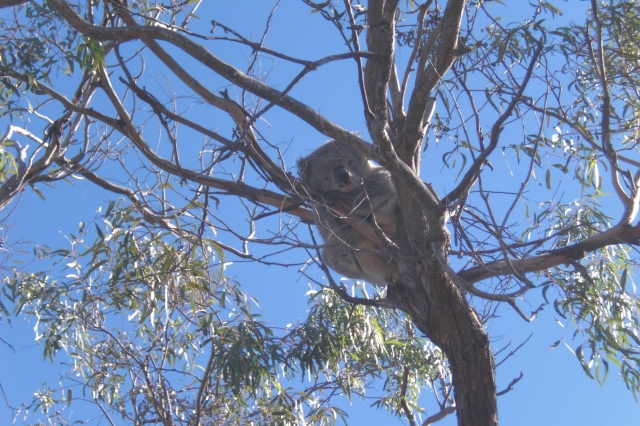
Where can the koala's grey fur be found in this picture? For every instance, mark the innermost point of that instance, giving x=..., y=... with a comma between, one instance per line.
x=346, y=178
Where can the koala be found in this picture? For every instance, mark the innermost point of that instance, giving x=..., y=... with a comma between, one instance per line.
x=348, y=180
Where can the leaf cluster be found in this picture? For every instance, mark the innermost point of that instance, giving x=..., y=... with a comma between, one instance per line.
x=154, y=330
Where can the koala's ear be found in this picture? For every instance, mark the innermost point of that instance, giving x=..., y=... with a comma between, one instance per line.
x=302, y=164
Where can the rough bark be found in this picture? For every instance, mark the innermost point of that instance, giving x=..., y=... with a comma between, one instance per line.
x=442, y=313
x=440, y=310
x=435, y=304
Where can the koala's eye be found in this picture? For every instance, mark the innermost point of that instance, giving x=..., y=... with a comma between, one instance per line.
x=342, y=176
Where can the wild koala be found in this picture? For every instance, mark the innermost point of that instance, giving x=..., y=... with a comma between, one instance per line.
x=351, y=183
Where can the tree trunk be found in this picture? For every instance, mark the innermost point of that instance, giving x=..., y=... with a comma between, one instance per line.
x=436, y=306
x=441, y=312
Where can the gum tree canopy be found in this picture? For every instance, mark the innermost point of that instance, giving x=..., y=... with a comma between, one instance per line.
x=503, y=140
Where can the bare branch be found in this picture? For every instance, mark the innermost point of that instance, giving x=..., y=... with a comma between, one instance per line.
x=510, y=385
x=232, y=187
x=407, y=72
x=403, y=395
x=425, y=50
x=444, y=412
x=236, y=112
x=380, y=40
x=232, y=74
x=9, y=3
x=496, y=130
x=413, y=129
x=621, y=234
x=513, y=352
x=467, y=286
x=356, y=44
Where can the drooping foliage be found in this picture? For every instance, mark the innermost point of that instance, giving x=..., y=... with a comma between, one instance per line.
x=534, y=187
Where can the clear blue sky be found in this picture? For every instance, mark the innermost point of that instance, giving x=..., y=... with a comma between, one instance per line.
x=554, y=390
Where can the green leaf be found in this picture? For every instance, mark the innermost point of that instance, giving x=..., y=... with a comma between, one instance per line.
x=110, y=208
x=100, y=234
x=551, y=8
x=548, y=178
x=37, y=191
x=562, y=167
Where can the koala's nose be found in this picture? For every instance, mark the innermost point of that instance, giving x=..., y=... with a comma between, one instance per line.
x=342, y=176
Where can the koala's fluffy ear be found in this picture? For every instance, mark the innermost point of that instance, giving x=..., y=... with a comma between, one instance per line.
x=310, y=172
x=302, y=164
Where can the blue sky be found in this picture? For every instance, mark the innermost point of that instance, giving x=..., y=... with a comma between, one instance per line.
x=554, y=389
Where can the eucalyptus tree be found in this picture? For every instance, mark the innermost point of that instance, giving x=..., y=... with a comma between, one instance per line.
x=493, y=115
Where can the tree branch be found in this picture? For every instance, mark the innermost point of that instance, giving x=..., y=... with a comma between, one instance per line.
x=413, y=129
x=444, y=412
x=9, y=3
x=307, y=114
x=232, y=187
x=237, y=113
x=467, y=286
x=510, y=385
x=621, y=234
x=630, y=203
x=403, y=396
x=26, y=173
x=405, y=78
x=380, y=40
x=368, y=114
x=496, y=130
x=230, y=73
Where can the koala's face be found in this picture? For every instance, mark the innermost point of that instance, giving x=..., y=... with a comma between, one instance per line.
x=333, y=167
